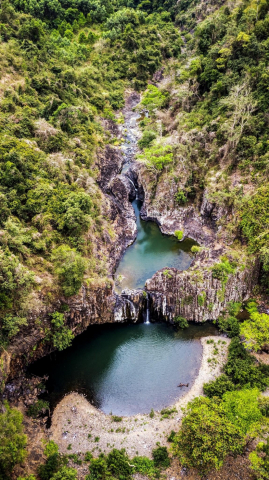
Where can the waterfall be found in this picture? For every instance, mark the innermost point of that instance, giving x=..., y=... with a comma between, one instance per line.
x=131, y=182
x=147, y=312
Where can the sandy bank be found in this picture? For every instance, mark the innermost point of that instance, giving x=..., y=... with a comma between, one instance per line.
x=77, y=426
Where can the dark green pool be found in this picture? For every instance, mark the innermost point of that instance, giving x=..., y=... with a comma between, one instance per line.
x=150, y=252
x=126, y=369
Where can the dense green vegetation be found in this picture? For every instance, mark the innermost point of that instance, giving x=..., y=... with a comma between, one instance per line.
x=12, y=440
x=212, y=117
x=64, y=68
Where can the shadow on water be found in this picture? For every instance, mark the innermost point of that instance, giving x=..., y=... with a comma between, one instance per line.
x=126, y=369
x=150, y=252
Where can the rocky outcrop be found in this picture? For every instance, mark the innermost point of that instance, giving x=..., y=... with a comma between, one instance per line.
x=159, y=206
x=195, y=294
x=131, y=305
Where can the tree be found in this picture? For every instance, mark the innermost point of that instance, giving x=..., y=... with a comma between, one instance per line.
x=239, y=104
x=70, y=267
x=61, y=335
x=157, y=157
x=12, y=440
x=242, y=409
x=256, y=331
x=207, y=436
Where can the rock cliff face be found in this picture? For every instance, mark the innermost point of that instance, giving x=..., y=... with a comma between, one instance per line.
x=194, y=294
x=198, y=221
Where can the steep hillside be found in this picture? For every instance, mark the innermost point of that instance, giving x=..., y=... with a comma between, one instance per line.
x=196, y=75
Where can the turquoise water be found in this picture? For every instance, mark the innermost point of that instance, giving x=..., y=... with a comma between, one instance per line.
x=126, y=369
x=150, y=252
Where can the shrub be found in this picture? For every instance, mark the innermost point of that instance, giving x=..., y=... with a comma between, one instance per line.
x=260, y=460
x=70, y=267
x=51, y=466
x=241, y=367
x=88, y=457
x=230, y=326
x=256, y=331
x=217, y=388
x=181, y=322
x=179, y=234
x=242, y=409
x=157, y=157
x=65, y=473
x=180, y=197
x=160, y=457
x=12, y=440
x=221, y=270
x=61, y=335
x=145, y=466
x=196, y=249
x=98, y=469
x=206, y=436
x=11, y=325
x=147, y=138
x=172, y=436
x=36, y=409
x=118, y=464
x=115, y=418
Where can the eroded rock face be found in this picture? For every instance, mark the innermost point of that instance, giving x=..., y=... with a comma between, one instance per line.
x=194, y=294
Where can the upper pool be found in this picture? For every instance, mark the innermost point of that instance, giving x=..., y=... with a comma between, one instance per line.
x=150, y=252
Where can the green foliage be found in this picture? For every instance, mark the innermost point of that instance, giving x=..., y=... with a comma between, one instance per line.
x=51, y=466
x=181, y=322
x=70, y=267
x=217, y=388
x=147, y=139
x=256, y=331
x=88, y=457
x=116, y=418
x=153, y=98
x=118, y=464
x=60, y=335
x=145, y=466
x=254, y=223
x=167, y=412
x=51, y=448
x=196, y=249
x=179, y=234
x=36, y=408
x=223, y=269
x=242, y=369
x=11, y=325
x=259, y=459
x=160, y=457
x=207, y=436
x=242, y=409
x=171, y=436
x=229, y=325
x=65, y=473
x=180, y=197
x=157, y=157
x=12, y=440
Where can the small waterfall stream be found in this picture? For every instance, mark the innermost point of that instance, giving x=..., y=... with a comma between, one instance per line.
x=147, y=312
